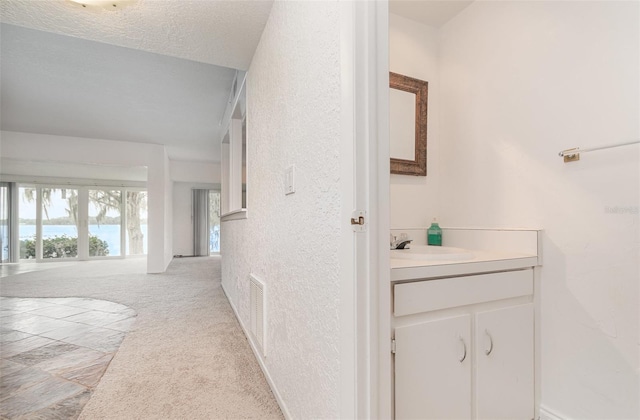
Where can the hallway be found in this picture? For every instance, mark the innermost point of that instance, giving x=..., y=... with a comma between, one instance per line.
x=185, y=356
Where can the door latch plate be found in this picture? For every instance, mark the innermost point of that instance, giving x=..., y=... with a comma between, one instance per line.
x=358, y=221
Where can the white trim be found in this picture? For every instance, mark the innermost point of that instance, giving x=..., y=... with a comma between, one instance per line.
x=546, y=414
x=348, y=380
x=234, y=99
x=14, y=216
x=380, y=168
x=82, y=226
x=39, y=253
x=366, y=54
x=69, y=182
x=256, y=353
x=234, y=215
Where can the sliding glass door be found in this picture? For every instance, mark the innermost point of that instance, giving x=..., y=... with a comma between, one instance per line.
x=214, y=222
x=5, y=222
x=206, y=222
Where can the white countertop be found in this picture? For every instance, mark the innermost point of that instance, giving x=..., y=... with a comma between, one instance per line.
x=480, y=262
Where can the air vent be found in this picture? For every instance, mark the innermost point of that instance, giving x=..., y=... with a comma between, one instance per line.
x=257, y=299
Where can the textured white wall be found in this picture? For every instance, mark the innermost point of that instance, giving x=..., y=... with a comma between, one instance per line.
x=224, y=33
x=414, y=200
x=520, y=82
x=292, y=242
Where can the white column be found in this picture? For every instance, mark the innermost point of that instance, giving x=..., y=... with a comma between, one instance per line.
x=83, y=224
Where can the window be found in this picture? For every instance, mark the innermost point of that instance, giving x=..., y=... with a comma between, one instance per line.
x=234, y=154
x=214, y=222
x=105, y=223
x=5, y=222
x=58, y=222
x=136, y=225
x=27, y=217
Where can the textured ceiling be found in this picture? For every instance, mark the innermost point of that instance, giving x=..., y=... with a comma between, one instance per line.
x=430, y=12
x=155, y=71
x=54, y=84
x=224, y=33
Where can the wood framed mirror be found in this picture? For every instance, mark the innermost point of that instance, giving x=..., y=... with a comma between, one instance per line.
x=408, y=125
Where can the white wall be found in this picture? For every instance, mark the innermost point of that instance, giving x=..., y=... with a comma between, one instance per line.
x=168, y=210
x=116, y=174
x=182, y=219
x=187, y=176
x=520, y=82
x=415, y=200
x=291, y=242
x=195, y=172
x=73, y=150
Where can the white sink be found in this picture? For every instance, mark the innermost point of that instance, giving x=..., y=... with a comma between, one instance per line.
x=432, y=253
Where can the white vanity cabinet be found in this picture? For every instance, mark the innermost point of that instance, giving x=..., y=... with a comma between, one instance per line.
x=433, y=369
x=464, y=347
x=504, y=363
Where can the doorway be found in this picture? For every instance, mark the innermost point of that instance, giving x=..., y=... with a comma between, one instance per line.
x=206, y=222
x=5, y=222
x=214, y=222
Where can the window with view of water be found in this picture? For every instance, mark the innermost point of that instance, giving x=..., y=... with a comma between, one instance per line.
x=61, y=222
x=105, y=223
x=136, y=211
x=58, y=210
x=27, y=222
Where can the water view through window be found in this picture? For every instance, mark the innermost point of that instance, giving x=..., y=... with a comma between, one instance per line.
x=59, y=223
x=27, y=227
x=58, y=219
x=105, y=223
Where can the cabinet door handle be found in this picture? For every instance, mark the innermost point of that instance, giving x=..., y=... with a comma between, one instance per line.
x=488, y=352
x=464, y=350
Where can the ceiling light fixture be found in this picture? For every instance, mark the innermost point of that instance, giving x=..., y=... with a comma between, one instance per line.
x=103, y=4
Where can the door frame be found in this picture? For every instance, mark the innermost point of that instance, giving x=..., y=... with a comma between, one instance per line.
x=365, y=292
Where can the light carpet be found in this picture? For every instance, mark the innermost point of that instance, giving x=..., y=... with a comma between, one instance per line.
x=186, y=356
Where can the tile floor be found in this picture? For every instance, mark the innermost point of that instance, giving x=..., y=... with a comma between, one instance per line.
x=53, y=352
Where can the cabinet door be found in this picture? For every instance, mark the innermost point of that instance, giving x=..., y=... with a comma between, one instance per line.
x=433, y=370
x=505, y=363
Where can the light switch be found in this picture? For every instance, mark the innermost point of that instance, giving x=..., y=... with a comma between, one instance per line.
x=289, y=180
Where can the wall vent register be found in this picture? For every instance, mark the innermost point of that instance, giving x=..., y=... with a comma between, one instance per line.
x=256, y=300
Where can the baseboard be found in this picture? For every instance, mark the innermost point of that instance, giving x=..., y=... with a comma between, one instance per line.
x=256, y=353
x=546, y=414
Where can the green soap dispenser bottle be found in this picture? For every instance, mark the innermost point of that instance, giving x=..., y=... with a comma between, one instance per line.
x=434, y=234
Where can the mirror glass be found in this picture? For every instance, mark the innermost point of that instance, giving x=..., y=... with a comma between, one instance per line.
x=408, y=125
x=402, y=108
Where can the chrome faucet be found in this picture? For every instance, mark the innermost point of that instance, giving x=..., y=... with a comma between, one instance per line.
x=400, y=243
